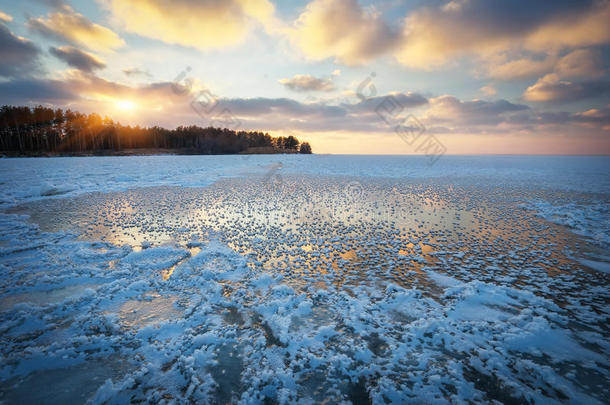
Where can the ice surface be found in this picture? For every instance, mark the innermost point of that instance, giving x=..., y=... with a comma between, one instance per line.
x=32, y=178
x=590, y=219
x=361, y=279
x=604, y=267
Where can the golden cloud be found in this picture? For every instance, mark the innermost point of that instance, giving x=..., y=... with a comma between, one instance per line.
x=500, y=67
x=577, y=63
x=580, y=63
x=199, y=24
x=551, y=89
x=547, y=88
x=5, y=17
x=435, y=36
x=341, y=29
x=74, y=27
x=589, y=28
x=307, y=83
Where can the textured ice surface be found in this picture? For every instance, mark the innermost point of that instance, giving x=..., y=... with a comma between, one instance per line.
x=590, y=218
x=31, y=178
x=362, y=279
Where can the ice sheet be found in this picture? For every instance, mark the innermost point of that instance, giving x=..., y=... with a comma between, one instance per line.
x=464, y=306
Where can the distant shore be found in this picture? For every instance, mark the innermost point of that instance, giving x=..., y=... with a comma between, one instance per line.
x=150, y=152
x=42, y=131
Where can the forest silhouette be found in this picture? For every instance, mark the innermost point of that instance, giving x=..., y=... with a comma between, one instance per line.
x=26, y=131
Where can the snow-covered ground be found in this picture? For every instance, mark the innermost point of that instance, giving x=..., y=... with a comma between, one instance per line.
x=304, y=279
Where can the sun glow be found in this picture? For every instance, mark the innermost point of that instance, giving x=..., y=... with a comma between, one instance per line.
x=125, y=105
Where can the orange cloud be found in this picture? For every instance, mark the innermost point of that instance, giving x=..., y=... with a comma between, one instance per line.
x=74, y=27
x=5, y=17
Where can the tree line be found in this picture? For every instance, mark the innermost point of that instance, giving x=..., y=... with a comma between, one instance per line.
x=41, y=130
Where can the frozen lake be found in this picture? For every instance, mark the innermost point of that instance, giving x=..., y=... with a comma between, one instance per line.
x=283, y=279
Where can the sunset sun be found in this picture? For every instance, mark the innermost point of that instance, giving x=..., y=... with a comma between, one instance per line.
x=125, y=105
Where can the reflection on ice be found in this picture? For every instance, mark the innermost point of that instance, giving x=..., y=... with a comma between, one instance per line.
x=149, y=310
x=46, y=297
x=310, y=229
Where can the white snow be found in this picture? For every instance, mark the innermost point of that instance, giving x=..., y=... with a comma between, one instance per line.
x=591, y=219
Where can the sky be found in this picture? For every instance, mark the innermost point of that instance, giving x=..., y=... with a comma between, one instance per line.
x=348, y=76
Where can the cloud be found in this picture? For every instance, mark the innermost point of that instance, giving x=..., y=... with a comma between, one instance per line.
x=281, y=113
x=78, y=59
x=18, y=56
x=155, y=104
x=434, y=36
x=580, y=63
x=58, y=4
x=451, y=111
x=502, y=120
x=68, y=25
x=307, y=83
x=594, y=117
x=587, y=25
x=398, y=102
x=92, y=87
x=281, y=107
x=5, y=17
x=206, y=24
x=577, y=63
x=133, y=71
x=499, y=67
x=358, y=116
x=34, y=91
x=550, y=89
x=440, y=115
x=488, y=90
x=76, y=86
x=342, y=30
x=534, y=34
x=570, y=122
